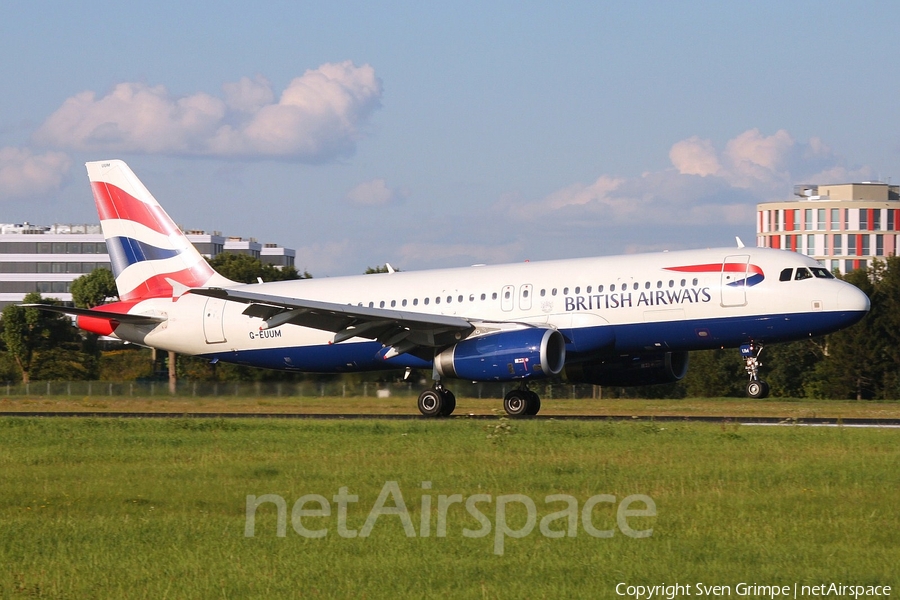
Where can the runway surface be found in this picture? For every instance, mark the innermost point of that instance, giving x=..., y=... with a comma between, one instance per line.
x=768, y=421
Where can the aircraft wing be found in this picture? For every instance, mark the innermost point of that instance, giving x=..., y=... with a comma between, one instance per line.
x=401, y=330
x=100, y=314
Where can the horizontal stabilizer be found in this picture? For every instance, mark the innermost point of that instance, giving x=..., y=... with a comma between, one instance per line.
x=99, y=314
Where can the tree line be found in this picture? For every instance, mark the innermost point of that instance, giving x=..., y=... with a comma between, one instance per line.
x=861, y=362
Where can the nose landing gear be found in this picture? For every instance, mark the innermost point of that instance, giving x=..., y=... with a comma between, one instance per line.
x=756, y=387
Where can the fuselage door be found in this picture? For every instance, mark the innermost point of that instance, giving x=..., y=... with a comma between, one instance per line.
x=525, y=292
x=734, y=279
x=507, y=297
x=214, y=321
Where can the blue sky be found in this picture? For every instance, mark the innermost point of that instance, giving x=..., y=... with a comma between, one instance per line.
x=444, y=134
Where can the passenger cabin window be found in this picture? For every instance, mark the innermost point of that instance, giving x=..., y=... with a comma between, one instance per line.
x=802, y=273
x=786, y=275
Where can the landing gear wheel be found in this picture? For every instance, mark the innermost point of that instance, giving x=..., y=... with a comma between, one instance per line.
x=534, y=403
x=757, y=389
x=431, y=403
x=517, y=402
x=449, y=403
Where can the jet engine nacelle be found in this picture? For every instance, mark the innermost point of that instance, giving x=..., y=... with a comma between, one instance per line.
x=643, y=369
x=505, y=356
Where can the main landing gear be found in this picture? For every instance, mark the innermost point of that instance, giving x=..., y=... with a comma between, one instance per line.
x=521, y=402
x=756, y=387
x=437, y=401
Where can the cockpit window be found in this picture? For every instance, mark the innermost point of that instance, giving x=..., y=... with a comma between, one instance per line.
x=822, y=273
x=802, y=273
x=786, y=275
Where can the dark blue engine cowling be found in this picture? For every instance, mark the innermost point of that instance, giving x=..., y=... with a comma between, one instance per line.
x=505, y=356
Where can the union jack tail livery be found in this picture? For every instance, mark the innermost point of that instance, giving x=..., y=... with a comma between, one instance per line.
x=149, y=254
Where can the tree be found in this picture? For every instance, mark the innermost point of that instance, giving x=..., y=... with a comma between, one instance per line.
x=246, y=269
x=28, y=331
x=94, y=288
x=379, y=269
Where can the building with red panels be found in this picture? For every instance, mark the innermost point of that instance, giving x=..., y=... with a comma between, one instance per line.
x=844, y=226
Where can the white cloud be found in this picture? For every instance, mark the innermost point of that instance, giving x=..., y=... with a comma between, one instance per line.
x=318, y=117
x=694, y=156
x=24, y=174
x=706, y=186
x=374, y=193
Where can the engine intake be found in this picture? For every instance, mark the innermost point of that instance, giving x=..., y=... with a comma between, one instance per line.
x=505, y=356
x=642, y=369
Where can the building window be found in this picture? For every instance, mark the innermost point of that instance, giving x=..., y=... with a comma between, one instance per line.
x=890, y=219
x=851, y=244
x=863, y=219
x=879, y=245
x=865, y=245
x=808, y=221
x=835, y=219
x=820, y=221
x=876, y=219
x=796, y=219
x=810, y=244
x=837, y=243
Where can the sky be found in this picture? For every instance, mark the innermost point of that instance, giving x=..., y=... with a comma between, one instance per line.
x=429, y=134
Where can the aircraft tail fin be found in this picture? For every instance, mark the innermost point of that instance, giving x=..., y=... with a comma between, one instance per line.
x=149, y=254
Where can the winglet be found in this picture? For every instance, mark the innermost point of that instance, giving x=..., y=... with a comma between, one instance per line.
x=739, y=242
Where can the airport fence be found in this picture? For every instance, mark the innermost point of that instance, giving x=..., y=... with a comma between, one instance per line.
x=304, y=389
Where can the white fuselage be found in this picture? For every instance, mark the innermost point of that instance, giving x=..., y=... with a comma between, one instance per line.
x=671, y=301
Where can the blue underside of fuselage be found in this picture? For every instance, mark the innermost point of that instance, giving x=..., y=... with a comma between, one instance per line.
x=631, y=338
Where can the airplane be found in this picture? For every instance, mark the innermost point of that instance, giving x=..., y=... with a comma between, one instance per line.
x=616, y=320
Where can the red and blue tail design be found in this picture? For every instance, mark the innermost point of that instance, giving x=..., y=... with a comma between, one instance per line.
x=148, y=252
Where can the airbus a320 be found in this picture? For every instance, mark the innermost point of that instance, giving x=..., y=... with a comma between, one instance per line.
x=620, y=320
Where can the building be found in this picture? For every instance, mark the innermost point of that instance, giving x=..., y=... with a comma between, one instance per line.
x=843, y=226
x=44, y=259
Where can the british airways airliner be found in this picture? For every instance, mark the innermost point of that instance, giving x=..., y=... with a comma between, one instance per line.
x=622, y=320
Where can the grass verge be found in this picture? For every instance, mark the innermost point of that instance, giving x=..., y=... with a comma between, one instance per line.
x=157, y=508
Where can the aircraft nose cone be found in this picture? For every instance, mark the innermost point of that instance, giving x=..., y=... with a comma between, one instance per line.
x=851, y=298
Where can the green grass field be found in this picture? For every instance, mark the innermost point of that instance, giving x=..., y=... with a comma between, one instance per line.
x=109, y=508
